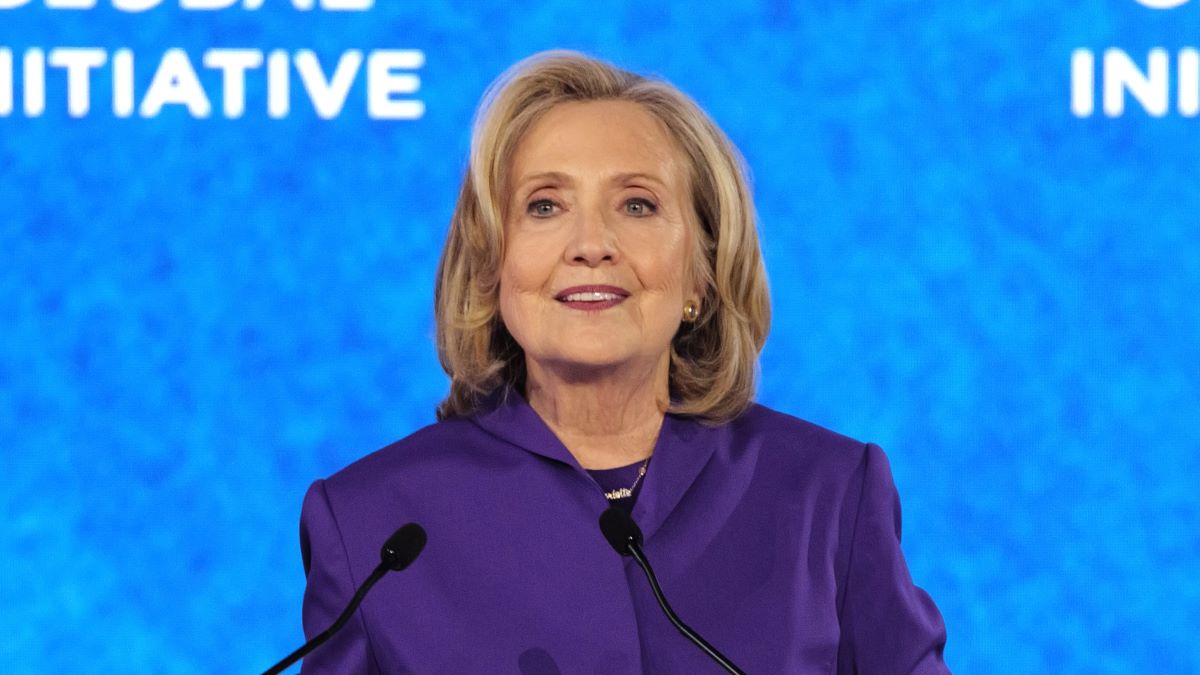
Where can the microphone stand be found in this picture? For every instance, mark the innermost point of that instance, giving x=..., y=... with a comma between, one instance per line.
x=337, y=625
x=398, y=552
x=625, y=537
x=636, y=551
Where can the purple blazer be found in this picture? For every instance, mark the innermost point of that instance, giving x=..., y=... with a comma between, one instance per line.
x=775, y=539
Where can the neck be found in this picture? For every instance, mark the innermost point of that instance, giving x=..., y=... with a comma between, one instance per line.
x=604, y=419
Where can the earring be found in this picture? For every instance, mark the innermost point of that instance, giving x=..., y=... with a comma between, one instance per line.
x=691, y=311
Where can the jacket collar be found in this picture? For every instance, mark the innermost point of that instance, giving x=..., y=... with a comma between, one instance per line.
x=682, y=450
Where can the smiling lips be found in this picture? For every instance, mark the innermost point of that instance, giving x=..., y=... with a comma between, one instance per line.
x=592, y=298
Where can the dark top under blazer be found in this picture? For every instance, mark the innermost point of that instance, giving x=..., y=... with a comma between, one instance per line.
x=775, y=539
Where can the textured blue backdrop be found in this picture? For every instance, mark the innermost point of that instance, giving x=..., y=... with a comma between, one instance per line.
x=202, y=316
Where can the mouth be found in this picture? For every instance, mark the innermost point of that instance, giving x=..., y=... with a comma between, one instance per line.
x=591, y=298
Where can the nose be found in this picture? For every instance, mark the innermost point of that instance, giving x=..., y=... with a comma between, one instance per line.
x=593, y=241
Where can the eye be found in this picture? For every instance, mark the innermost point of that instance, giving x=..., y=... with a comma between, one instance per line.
x=640, y=206
x=541, y=208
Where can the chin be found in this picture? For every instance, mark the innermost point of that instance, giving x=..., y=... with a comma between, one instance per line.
x=594, y=364
x=597, y=363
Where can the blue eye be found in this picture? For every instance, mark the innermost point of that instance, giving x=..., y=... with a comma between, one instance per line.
x=541, y=208
x=639, y=206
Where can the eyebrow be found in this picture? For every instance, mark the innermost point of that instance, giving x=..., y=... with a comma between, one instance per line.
x=560, y=178
x=625, y=178
x=546, y=176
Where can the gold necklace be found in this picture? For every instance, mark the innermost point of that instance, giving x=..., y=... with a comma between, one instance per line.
x=626, y=493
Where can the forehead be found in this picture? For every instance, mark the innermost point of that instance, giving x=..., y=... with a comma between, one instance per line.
x=597, y=138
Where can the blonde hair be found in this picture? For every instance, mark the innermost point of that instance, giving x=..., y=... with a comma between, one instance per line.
x=713, y=359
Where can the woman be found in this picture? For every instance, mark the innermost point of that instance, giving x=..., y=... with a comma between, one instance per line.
x=601, y=303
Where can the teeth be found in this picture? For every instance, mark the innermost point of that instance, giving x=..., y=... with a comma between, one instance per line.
x=593, y=296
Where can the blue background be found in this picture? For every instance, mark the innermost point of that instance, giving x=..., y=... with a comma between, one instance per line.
x=200, y=317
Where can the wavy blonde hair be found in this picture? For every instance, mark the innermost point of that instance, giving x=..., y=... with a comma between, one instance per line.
x=714, y=359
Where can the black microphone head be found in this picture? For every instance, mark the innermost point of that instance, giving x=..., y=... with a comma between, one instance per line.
x=403, y=547
x=620, y=530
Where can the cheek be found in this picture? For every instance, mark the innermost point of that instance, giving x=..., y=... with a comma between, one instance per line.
x=666, y=264
x=521, y=274
x=512, y=314
x=523, y=277
x=528, y=263
x=510, y=293
x=669, y=277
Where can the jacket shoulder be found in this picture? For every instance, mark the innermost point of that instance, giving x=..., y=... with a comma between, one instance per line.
x=786, y=437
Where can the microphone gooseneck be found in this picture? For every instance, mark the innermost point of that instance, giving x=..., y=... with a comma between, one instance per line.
x=400, y=550
x=625, y=537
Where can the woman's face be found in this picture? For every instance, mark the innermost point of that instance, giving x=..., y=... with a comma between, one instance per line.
x=599, y=231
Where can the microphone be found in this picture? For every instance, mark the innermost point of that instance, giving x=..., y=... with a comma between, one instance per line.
x=398, y=552
x=626, y=537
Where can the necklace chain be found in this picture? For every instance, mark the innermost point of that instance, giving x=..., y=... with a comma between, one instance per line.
x=627, y=492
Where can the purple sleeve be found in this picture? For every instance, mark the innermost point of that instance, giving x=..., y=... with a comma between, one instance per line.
x=888, y=625
x=328, y=591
